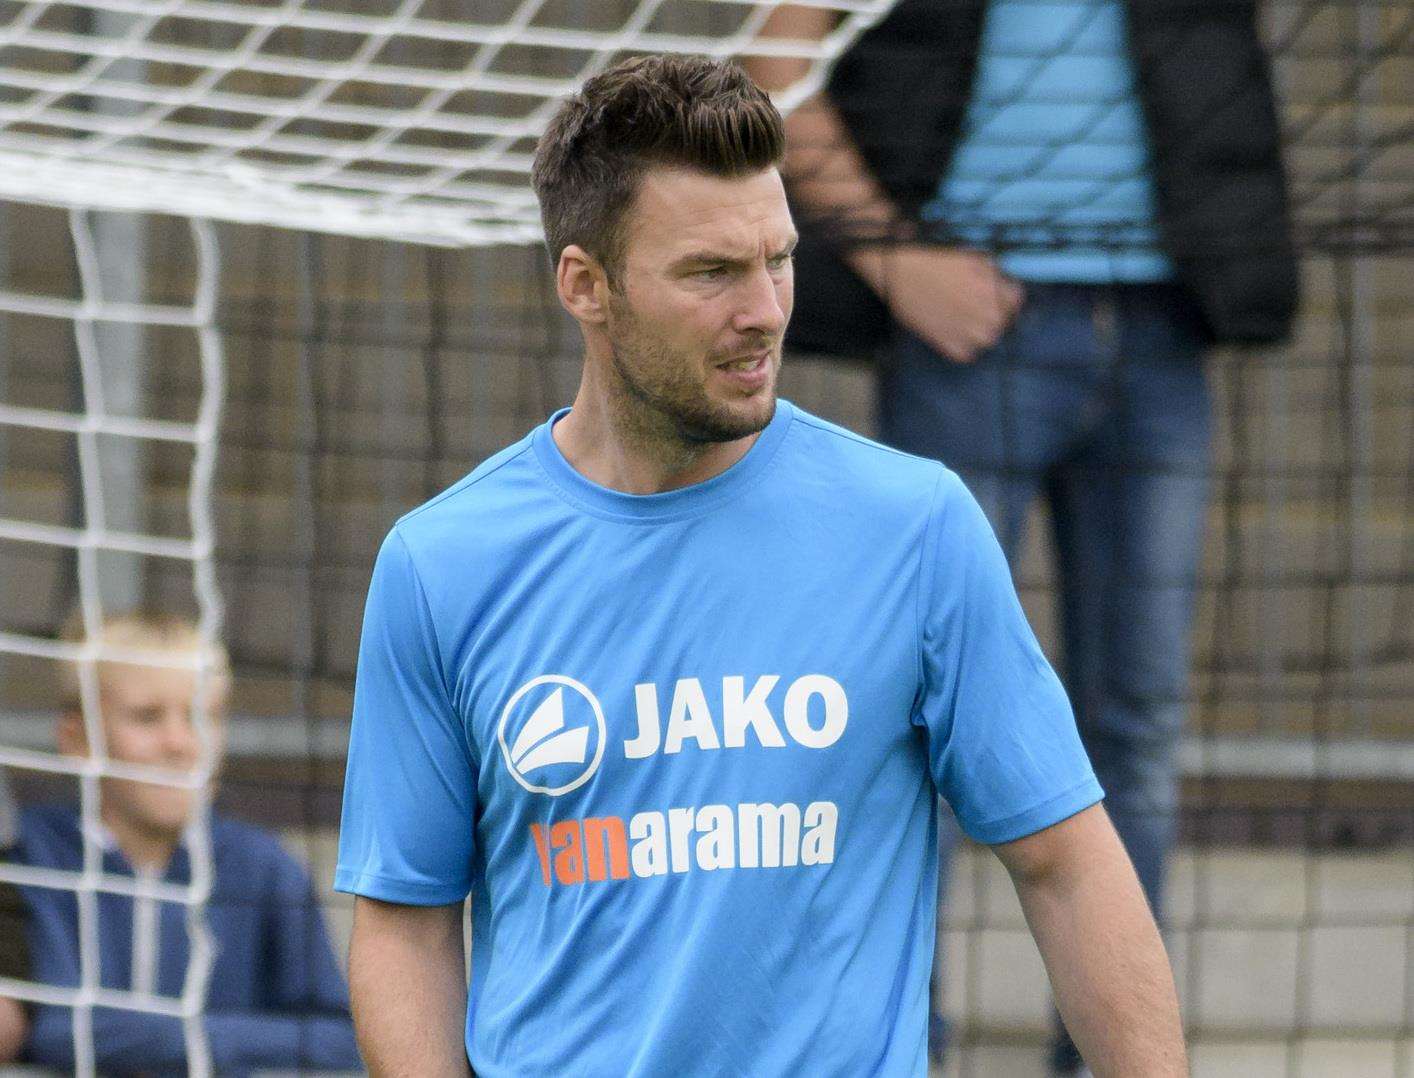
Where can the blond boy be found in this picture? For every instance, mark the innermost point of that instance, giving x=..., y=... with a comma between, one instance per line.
x=275, y=997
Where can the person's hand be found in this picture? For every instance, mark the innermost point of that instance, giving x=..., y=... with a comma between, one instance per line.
x=13, y=1025
x=957, y=301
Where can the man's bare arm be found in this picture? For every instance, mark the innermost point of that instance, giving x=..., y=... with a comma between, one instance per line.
x=1108, y=968
x=407, y=981
x=12, y=1029
x=956, y=300
x=825, y=169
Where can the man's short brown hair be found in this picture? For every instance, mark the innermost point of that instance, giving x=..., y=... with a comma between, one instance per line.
x=678, y=111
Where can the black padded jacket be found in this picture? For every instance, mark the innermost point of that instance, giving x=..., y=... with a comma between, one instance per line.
x=1206, y=95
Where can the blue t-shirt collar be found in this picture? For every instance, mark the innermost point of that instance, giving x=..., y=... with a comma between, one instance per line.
x=672, y=504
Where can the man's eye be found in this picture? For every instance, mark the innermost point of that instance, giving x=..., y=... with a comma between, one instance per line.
x=711, y=273
x=780, y=261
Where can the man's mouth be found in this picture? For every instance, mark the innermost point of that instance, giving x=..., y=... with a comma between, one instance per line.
x=748, y=362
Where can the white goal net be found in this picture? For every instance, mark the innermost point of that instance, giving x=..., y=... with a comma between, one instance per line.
x=103, y=434
x=412, y=120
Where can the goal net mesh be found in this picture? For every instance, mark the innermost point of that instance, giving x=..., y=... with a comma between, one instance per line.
x=413, y=120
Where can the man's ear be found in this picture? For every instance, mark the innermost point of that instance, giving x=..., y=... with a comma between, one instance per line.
x=582, y=284
x=69, y=733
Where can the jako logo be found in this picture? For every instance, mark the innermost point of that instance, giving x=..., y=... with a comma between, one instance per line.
x=546, y=735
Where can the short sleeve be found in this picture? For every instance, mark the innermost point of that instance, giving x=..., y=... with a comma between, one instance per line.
x=1002, y=742
x=409, y=816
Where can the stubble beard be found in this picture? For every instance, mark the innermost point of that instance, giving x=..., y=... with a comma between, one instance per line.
x=661, y=398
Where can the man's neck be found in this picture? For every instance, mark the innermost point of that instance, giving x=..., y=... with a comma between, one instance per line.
x=146, y=850
x=619, y=448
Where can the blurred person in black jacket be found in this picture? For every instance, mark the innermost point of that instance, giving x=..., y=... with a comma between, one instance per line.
x=1039, y=215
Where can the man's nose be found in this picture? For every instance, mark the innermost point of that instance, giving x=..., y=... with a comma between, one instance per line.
x=761, y=310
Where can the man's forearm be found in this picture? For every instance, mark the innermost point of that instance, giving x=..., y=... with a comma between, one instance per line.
x=828, y=176
x=407, y=980
x=1107, y=964
x=13, y=1025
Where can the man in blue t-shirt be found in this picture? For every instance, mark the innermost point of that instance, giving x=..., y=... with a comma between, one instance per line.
x=670, y=686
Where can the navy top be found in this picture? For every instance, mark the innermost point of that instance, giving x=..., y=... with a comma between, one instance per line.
x=276, y=996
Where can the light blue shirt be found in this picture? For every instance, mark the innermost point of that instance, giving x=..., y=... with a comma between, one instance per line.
x=683, y=750
x=1054, y=154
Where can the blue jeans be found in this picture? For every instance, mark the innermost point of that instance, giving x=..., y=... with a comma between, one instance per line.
x=1097, y=400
